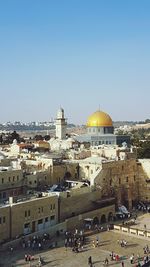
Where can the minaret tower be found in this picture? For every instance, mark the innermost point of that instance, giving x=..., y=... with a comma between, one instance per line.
x=61, y=124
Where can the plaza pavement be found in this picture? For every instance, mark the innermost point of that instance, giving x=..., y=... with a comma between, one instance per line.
x=60, y=257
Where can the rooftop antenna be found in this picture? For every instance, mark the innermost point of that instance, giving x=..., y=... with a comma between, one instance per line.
x=99, y=107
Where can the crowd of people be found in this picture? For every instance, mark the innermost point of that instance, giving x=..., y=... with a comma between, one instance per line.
x=35, y=242
x=75, y=240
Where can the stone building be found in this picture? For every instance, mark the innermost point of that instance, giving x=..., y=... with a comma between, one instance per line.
x=49, y=171
x=114, y=178
x=11, y=182
x=28, y=216
x=42, y=146
x=93, y=206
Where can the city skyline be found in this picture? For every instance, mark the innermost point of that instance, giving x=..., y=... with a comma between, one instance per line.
x=74, y=54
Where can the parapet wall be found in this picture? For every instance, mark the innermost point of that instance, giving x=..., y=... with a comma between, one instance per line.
x=132, y=231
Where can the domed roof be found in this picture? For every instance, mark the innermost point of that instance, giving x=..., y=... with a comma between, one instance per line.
x=99, y=119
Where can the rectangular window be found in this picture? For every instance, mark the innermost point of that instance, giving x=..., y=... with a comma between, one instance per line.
x=39, y=210
x=9, y=179
x=25, y=214
x=53, y=206
x=52, y=218
x=0, y=220
x=134, y=178
x=17, y=177
x=46, y=219
x=2, y=180
x=45, y=177
x=4, y=219
x=127, y=179
x=119, y=181
x=4, y=194
x=40, y=221
x=28, y=212
x=26, y=225
x=13, y=178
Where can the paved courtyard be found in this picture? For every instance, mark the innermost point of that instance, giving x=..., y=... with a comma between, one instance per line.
x=60, y=257
x=143, y=220
x=108, y=241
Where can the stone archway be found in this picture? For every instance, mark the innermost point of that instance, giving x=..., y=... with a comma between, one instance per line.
x=95, y=221
x=110, y=217
x=103, y=218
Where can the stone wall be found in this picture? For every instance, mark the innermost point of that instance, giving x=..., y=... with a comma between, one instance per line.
x=78, y=204
x=10, y=177
x=58, y=172
x=87, y=169
x=133, y=231
x=11, y=183
x=144, y=179
x=4, y=223
x=53, y=174
x=99, y=214
x=120, y=179
x=30, y=212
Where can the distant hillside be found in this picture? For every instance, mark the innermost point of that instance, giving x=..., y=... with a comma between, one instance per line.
x=131, y=123
x=121, y=123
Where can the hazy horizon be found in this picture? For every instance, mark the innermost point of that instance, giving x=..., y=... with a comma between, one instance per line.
x=74, y=54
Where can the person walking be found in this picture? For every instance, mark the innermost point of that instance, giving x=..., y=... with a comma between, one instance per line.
x=132, y=259
x=90, y=260
x=122, y=263
x=26, y=257
x=106, y=261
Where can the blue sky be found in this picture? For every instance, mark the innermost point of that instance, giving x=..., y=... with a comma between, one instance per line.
x=77, y=54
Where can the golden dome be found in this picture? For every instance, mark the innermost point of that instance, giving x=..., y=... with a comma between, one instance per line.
x=99, y=119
